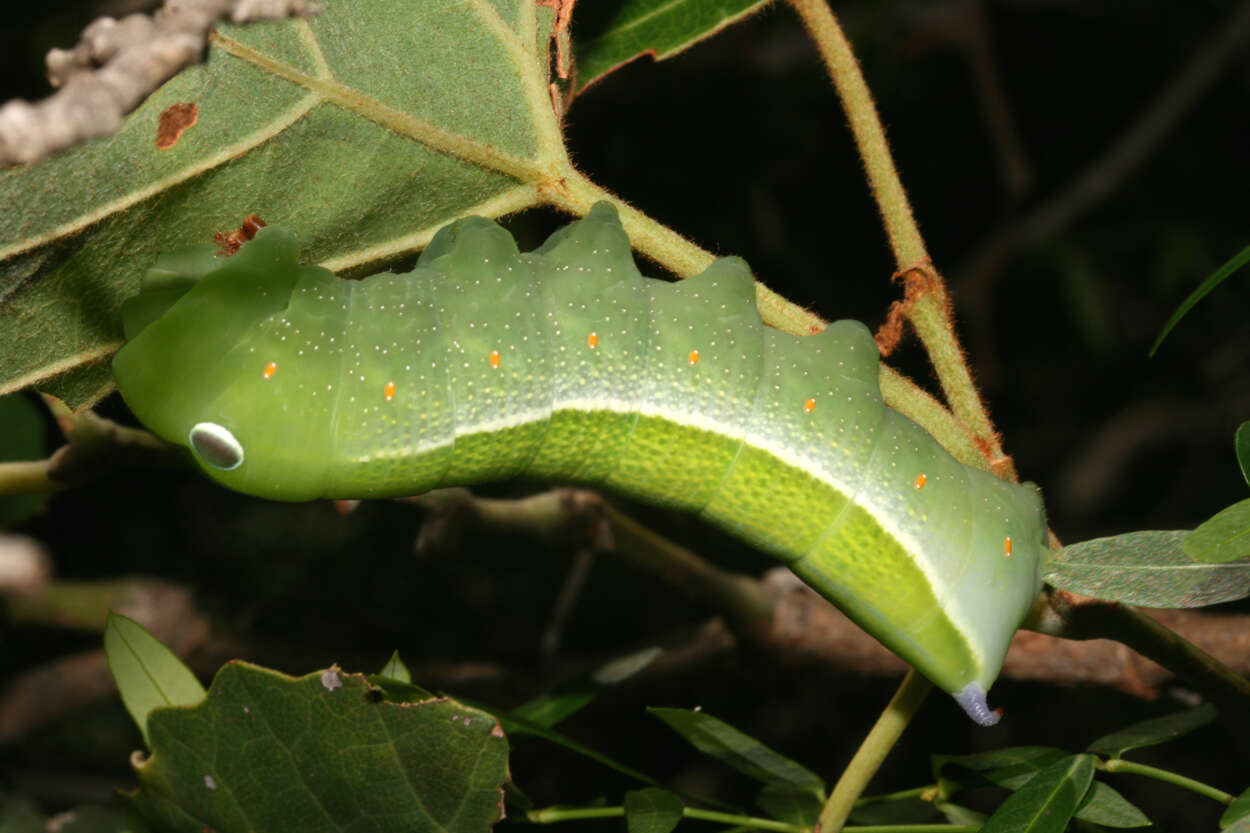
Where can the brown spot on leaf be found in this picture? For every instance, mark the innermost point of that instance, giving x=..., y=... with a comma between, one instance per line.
x=175, y=121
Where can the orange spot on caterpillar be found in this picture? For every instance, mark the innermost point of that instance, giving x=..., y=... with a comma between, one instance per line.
x=389, y=391
x=494, y=359
x=1007, y=546
x=921, y=479
x=592, y=340
x=813, y=329
x=230, y=241
x=809, y=406
x=693, y=358
x=173, y=122
x=269, y=370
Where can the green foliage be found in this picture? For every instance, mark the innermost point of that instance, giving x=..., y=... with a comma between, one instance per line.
x=1241, y=442
x=148, y=674
x=1151, y=732
x=1222, y=538
x=1146, y=568
x=1204, y=289
x=651, y=811
x=609, y=36
x=1047, y=801
x=338, y=754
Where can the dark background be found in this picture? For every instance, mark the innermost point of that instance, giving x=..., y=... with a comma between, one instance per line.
x=740, y=144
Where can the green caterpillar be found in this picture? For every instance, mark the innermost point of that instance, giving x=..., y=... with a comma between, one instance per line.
x=565, y=363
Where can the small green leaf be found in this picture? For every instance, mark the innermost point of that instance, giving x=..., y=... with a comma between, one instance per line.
x=1217, y=277
x=957, y=814
x=607, y=35
x=268, y=753
x=148, y=675
x=1146, y=568
x=396, y=670
x=652, y=811
x=1238, y=810
x=1103, y=805
x=1154, y=731
x=788, y=803
x=1223, y=538
x=739, y=750
x=397, y=692
x=548, y=710
x=1241, y=441
x=1004, y=766
x=1048, y=801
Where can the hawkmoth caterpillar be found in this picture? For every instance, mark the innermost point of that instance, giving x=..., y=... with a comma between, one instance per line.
x=565, y=363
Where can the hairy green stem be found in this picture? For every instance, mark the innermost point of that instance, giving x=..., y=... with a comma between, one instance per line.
x=871, y=753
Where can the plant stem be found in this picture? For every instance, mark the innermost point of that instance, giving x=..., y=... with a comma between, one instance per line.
x=553, y=815
x=871, y=753
x=1130, y=767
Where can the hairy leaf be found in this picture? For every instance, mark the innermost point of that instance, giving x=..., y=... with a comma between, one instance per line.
x=1146, y=568
x=305, y=122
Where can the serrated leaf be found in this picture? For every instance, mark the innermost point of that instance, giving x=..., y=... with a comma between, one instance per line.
x=265, y=753
x=1239, y=810
x=608, y=35
x=1146, y=568
x=396, y=670
x=1103, y=805
x=739, y=750
x=652, y=811
x=787, y=803
x=1154, y=731
x=1215, y=279
x=1241, y=442
x=22, y=437
x=148, y=675
x=1223, y=538
x=308, y=123
x=1048, y=801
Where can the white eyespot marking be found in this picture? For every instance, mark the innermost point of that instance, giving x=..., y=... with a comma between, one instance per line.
x=216, y=446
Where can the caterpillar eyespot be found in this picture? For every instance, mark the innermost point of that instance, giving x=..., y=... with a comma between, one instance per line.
x=832, y=490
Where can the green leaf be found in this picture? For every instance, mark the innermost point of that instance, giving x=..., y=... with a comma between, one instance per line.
x=548, y=710
x=1146, y=568
x=1217, y=277
x=651, y=811
x=606, y=35
x=396, y=670
x=22, y=437
x=1008, y=767
x=1242, y=825
x=397, y=692
x=1238, y=810
x=1103, y=805
x=739, y=750
x=1155, y=731
x=1241, y=441
x=1048, y=801
x=788, y=803
x=309, y=123
x=266, y=752
x=957, y=814
x=148, y=675
x=1223, y=538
